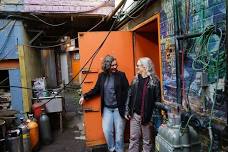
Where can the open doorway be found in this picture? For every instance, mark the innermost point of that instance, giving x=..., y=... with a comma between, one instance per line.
x=147, y=44
x=4, y=81
x=5, y=97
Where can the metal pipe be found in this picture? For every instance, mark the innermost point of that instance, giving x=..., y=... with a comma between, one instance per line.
x=187, y=36
x=109, y=17
x=226, y=82
x=177, y=44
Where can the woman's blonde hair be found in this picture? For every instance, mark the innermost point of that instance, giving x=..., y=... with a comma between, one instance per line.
x=149, y=66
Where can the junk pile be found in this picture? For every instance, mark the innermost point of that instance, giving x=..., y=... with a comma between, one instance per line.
x=5, y=100
x=39, y=87
x=26, y=135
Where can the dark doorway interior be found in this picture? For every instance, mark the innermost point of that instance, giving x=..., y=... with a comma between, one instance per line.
x=4, y=81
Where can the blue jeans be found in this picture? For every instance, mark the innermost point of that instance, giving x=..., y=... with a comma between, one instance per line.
x=112, y=120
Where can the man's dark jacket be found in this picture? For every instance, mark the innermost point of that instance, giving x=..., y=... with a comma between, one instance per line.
x=153, y=95
x=121, y=88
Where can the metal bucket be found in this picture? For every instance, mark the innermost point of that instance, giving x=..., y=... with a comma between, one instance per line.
x=2, y=135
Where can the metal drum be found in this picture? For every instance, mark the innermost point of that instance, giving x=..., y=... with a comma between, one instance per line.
x=2, y=135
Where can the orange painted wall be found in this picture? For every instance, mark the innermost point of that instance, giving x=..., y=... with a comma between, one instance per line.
x=75, y=68
x=146, y=45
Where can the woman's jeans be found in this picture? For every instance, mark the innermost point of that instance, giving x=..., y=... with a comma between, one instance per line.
x=138, y=131
x=112, y=123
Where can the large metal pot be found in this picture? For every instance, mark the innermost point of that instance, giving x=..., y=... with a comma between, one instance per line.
x=14, y=141
x=2, y=135
x=2, y=129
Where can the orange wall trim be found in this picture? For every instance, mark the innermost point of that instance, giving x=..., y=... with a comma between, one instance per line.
x=158, y=61
x=9, y=64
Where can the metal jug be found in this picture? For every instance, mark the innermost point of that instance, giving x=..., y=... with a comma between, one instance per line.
x=45, y=129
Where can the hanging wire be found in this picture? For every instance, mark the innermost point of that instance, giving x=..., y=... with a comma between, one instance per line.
x=56, y=45
x=54, y=25
x=145, y=5
x=4, y=80
x=4, y=26
x=90, y=59
x=7, y=38
x=8, y=53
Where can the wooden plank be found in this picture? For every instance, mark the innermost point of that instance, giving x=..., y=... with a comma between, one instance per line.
x=9, y=64
x=25, y=94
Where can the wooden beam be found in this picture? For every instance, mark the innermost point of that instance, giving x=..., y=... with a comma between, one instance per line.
x=24, y=77
x=9, y=64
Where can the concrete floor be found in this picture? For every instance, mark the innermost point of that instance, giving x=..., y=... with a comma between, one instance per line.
x=72, y=138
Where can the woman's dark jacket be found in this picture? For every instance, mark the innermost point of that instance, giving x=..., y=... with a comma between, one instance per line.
x=121, y=87
x=153, y=95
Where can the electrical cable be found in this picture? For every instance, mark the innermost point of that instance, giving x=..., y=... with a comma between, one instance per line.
x=59, y=44
x=213, y=105
x=91, y=58
x=102, y=20
x=17, y=87
x=211, y=62
x=56, y=45
x=8, y=53
x=4, y=80
x=145, y=6
x=4, y=26
x=203, y=56
x=54, y=25
x=187, y=122
x=32, y=89
x=7, y=38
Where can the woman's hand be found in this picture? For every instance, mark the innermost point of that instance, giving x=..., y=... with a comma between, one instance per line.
x=127, y=116
x=81, y=100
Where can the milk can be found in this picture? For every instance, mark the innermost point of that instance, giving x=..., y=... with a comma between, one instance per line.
x=25, y=136
x=45, y=128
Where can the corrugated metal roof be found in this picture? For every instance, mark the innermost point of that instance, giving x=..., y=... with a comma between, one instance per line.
x=98, y=7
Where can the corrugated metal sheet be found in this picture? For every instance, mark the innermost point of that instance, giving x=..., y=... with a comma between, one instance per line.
x=16, y=93
x=59, y=6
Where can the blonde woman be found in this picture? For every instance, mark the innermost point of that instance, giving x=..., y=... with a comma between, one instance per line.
x=142, y=95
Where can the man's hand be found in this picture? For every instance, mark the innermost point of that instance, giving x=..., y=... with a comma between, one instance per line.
x=81, y=100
